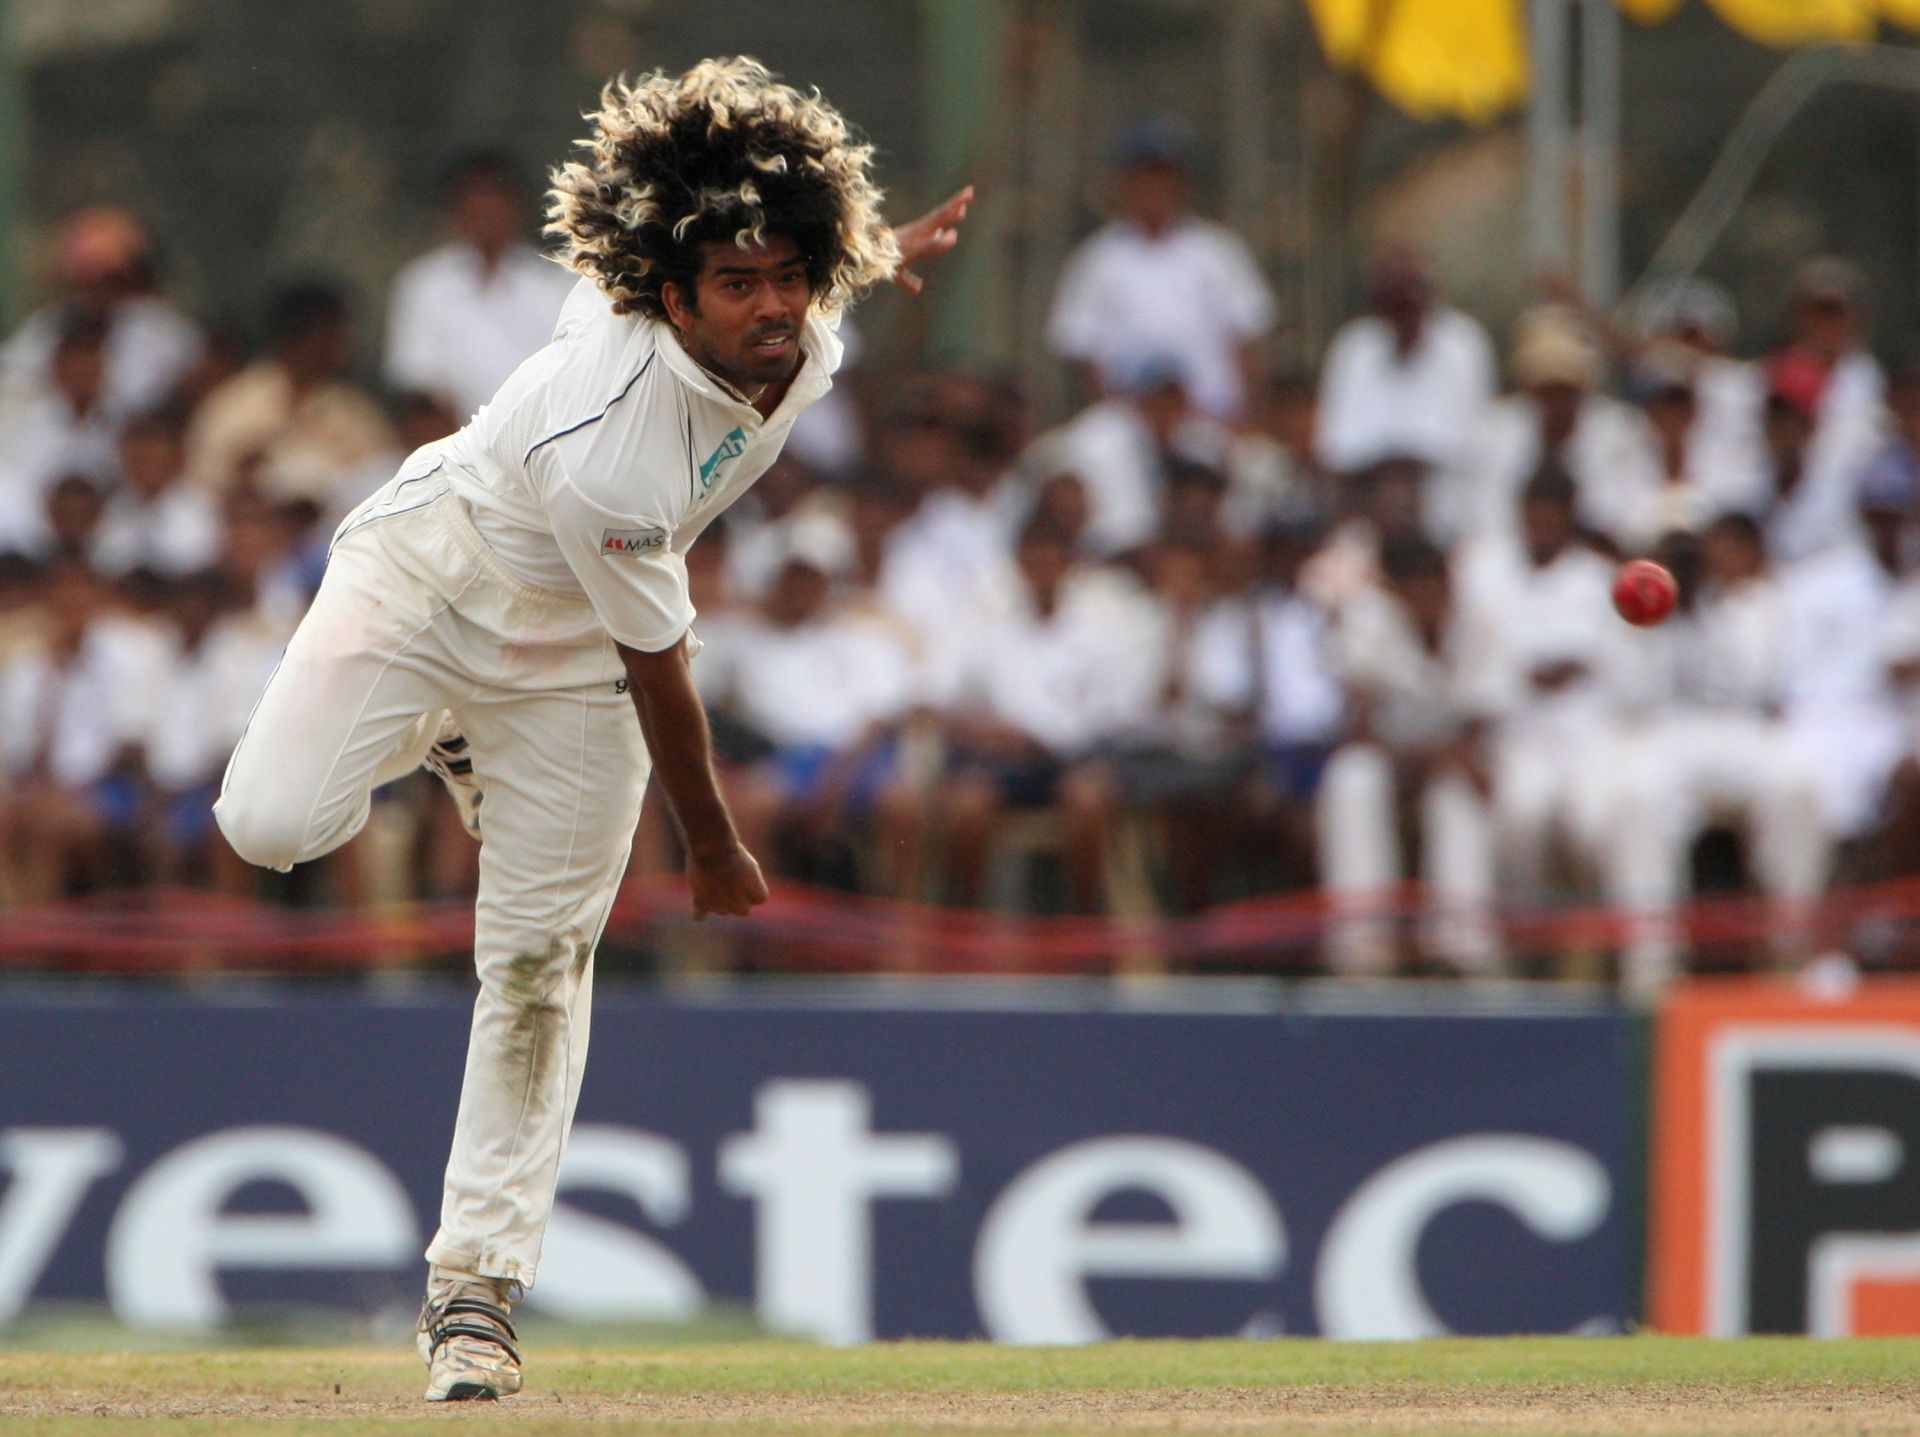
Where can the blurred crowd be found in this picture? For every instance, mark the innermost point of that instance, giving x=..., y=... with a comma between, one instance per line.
x=1224, y=631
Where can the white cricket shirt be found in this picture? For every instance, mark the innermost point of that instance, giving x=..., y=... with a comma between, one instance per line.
x=604, y=456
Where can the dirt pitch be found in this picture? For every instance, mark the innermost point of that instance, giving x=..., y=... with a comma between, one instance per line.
x=1561, y=1386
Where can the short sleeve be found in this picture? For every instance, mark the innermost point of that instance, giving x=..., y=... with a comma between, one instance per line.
x=625, y=562
x=1076, y=322
x=1246, y=299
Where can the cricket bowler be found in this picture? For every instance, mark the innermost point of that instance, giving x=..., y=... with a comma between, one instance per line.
x=511, y=609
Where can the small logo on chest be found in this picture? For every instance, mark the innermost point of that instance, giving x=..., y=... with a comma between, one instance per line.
x=617, y=543
x=732, y=447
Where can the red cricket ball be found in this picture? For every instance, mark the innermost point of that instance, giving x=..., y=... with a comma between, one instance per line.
x=1644, y=592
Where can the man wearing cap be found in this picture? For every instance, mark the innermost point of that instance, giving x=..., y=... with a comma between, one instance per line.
x=1159, y=280
x=1556, y=415
x=106, y=270
x=1828, y=323
x=1806, y=503
x=1409, y=377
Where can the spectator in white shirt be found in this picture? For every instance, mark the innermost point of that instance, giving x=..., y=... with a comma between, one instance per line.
x=1408, y=378
x=291, y=423
x=153, y=519
x=72, y=704
x=217, y=657
x=1693, y=322
x=1187, y=755
x=461, y=318
x=1806, y=502
x=1123, y=446
x=107, y=271
x=1828, y=321
x=61, y=429
x=1427, y=679
x=1047, y=687
x=1557, y=414
x=825, y=687
x=1269, y=658
x=1707, y=746
x=1552, y=784
x=1157, y=280
x=1692, y=472
x=1839, y=705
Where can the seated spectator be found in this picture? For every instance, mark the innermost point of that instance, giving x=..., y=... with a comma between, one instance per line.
x=1122, y=446
x=217, y=660
x=60, y=429
x=1827, y=318
x=107, y=273
x=1427, y=680
x=1268, y=658
x=756, y=523
x=1046, y=688
x=1376, y=506
x=306, y=432
x=1186, y=755
x=1692, y=323
x=1551, y=764
x=1692, y=473
x=1806, y=498
x=76, y=703
x=1838, y=606
x=1709, y=747
x=1273, y=474
x=1409, y=377
x=461, y=318
x=824, y=688
x=1157, y=281
x=74, y=507
x=153, y=519
x=1558, y=414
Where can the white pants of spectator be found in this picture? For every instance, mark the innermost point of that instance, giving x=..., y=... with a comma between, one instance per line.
x=1358, y=813
x=1852, y=747
x=1679, y=774
x=418, y=616
x=1555, y=786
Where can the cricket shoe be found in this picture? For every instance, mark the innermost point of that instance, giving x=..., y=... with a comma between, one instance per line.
x=449, y=758
x=467, y=1340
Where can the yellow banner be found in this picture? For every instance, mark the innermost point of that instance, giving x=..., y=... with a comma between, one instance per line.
x=1467, y=59
x=1461, y=58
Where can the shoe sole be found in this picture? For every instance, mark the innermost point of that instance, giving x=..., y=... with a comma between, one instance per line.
x=471, y=1392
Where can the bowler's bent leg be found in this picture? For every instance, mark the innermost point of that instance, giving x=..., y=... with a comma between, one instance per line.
x=341, y=715
x=563, y=774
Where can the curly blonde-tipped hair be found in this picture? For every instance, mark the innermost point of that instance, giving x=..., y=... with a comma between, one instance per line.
x=723, y=152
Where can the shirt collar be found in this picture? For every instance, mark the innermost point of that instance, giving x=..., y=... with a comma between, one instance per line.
x=820, y=353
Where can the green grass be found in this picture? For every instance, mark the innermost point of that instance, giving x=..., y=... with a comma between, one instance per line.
x=1565, y=1386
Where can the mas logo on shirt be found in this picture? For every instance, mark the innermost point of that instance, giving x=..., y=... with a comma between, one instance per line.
x=616, y=543
x=732, y=447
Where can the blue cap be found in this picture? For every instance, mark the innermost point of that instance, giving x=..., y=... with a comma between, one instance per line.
x=1154, y=141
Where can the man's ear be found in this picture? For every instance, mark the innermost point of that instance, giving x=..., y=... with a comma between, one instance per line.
x=678, y=303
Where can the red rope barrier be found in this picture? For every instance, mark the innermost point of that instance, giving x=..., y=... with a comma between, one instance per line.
x=816, y=930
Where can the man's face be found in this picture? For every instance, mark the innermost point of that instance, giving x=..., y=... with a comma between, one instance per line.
x=1547, y=526
x=1788, y=430
x=743, y=319
x=1151, y=195
x=487, y=213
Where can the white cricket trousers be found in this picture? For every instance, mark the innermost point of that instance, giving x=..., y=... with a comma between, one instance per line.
x=1357, y=812
x=417, y=616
